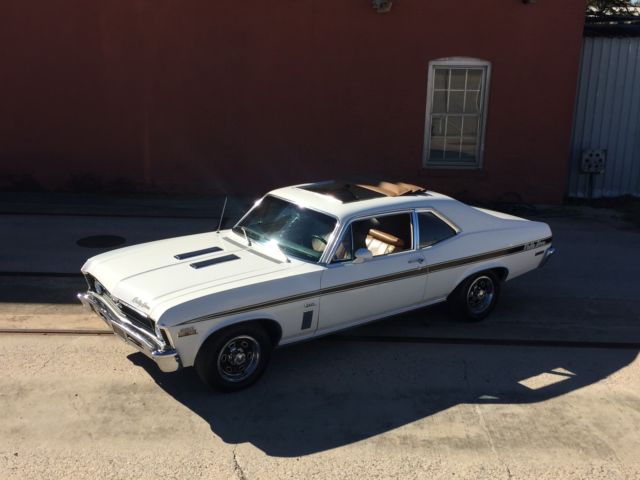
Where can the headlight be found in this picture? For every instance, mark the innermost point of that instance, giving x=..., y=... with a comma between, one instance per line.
x=162, y=336
x=99, y=288
x=159, y=332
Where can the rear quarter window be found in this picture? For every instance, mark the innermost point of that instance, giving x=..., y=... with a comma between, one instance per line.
x=432, y=229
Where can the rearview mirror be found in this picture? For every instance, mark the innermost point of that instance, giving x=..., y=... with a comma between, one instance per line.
x=362, y=255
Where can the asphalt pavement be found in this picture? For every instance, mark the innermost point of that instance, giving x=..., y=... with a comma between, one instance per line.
x=588, y=291
x=546, y=387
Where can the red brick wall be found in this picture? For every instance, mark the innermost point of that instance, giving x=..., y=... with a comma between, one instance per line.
x=241, y=96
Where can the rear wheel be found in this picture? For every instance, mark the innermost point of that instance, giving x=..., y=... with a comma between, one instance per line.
x=234, y=358
x=474, y=299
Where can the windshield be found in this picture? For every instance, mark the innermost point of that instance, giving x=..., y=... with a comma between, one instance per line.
x=298, y=231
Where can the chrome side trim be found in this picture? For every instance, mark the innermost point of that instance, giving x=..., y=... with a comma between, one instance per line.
x=167, y=358
x=341, y=229
x=440, y=216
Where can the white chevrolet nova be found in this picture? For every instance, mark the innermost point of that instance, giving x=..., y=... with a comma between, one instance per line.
x=306, y=261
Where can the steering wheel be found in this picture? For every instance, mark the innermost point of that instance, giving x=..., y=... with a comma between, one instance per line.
x=318, y=243
x=318, y=237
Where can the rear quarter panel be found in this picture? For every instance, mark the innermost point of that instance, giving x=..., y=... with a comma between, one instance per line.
x=443, y=278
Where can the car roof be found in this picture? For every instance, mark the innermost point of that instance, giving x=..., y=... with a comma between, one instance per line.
x=347, y=199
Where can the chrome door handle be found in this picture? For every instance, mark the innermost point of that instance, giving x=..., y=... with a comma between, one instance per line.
x=416, y=260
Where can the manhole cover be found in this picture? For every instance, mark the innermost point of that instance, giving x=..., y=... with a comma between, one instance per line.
x=101, y=241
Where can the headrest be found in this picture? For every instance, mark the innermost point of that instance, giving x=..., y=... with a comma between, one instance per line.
x=386, y=238
x=390, y=189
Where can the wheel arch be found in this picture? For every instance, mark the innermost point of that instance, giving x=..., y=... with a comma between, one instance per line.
x=190, y=346
x=208, y=357
x=500, y=271
x=271, y=326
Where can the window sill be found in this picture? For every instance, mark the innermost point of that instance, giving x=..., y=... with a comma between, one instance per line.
x=452, y=171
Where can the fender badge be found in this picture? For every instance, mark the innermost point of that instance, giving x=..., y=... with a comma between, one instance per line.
x=186, y=331
x=137, y=301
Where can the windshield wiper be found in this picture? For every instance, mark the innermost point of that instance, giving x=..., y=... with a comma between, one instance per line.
x=282, y=252
x=246, y=237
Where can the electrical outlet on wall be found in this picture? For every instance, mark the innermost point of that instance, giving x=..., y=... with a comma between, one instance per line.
x=382, y=6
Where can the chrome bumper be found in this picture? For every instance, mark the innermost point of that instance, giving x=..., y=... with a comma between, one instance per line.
x=166, y=358
x=547, y=254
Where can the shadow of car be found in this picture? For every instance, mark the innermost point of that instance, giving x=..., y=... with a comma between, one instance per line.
x=333, y=392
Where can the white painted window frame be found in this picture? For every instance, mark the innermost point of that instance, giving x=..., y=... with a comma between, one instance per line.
x=461, y=62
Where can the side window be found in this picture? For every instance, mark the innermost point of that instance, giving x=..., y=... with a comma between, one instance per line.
x=381, y=235
x=344, y=252
x=432, y=229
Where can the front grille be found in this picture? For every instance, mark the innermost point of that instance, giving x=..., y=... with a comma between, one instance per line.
x=91, y=282
x=132, y=315
x=136, y=318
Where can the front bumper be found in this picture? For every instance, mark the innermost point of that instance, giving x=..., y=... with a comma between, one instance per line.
x=167, y=358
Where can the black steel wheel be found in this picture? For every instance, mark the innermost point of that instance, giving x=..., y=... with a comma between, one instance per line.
x=475, y=298
x=234, y=358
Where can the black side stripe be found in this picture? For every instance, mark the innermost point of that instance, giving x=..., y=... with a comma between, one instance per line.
x=379, y=280
x=196, y=253
x=475, y=258
x=213, y=261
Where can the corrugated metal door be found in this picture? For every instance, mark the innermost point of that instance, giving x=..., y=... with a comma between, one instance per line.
x=607, y=117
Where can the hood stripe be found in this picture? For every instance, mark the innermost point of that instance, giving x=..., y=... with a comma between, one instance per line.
x=213, y=261
x=196, y=253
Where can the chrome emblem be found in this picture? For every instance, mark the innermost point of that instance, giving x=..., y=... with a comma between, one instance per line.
x=186, y=331
x=533, y=245
x=140, y=303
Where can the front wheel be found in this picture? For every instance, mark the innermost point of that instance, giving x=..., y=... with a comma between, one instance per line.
x=474, y=299
x=234, y=358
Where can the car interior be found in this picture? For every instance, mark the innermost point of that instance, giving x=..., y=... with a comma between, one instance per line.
x=380, y=235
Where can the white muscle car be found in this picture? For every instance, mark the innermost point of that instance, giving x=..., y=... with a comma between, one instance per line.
x=305, y=261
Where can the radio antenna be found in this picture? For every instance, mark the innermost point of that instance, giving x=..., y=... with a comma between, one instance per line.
x=222, y=214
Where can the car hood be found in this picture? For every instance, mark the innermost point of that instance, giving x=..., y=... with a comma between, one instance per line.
x=148, y=274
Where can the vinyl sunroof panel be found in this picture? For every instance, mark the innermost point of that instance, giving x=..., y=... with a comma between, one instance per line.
x=345, y=192
x=348, y=192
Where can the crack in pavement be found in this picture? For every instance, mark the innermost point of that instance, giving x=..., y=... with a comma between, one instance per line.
x=483, y=423
x=51, y=357
x=236, y=466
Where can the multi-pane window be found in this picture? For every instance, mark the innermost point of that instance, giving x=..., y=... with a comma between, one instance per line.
x=456, y=112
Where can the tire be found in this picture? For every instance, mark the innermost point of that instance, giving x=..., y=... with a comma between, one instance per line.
x=475, y=298
x=234, y=358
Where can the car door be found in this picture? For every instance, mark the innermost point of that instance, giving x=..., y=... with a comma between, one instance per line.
x=436, y=235
x=391, y=280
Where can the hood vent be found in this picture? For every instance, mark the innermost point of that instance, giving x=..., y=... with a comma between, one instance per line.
x=213, y=261
x=196, y=253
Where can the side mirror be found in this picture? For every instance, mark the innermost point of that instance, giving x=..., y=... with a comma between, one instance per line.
x=362, y=255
